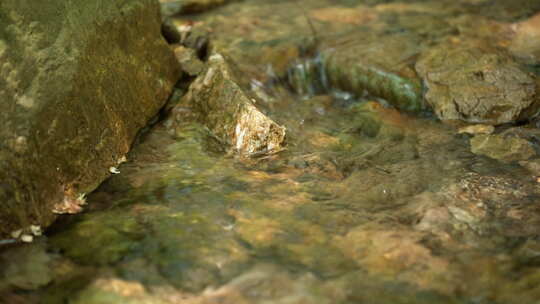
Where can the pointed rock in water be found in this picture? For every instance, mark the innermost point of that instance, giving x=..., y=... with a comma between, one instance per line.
x=230, y=114
x=78, y=80
x=472, y=81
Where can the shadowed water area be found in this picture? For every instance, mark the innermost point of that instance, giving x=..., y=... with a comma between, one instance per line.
x=372, y=200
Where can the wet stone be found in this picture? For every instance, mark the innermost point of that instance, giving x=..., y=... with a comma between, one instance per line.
x=353, y=63
x=230, y=113
x=506, y=147
x=74, y=101
x=477, y=129
x=470, y=80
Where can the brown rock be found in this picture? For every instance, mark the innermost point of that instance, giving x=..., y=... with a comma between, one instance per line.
x=78, y=80
x=230, y=114
x=470, y=80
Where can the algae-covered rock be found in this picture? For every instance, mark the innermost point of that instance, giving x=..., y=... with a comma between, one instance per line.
x=472, y=81
x=27, y=267
x=223, y=106
x=100, y=240
x=78, y=79
x=382, y=66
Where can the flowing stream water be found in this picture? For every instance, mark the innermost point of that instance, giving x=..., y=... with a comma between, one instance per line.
x=367, y=204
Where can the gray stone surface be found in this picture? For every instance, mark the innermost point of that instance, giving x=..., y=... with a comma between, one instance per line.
x=78, y=79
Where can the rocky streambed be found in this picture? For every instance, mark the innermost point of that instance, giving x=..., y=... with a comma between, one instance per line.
x=318, y=152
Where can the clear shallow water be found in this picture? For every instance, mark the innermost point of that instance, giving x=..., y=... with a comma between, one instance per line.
x=387, y=216
x=366, y=205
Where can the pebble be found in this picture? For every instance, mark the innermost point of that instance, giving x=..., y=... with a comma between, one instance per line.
x=16, y=234
x=27, y=238
x=477, y=129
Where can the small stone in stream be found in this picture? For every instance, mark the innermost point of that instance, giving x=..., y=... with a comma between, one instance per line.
x=472, y=81
x=195, y=38
x=27, y=238
x=36, y=230
x=503, y=147
x=16, y=234
x=477, y=129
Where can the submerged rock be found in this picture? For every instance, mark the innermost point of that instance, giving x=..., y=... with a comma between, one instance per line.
x=26, y=267
x=507, y=147
x=397, y=253
x=472, y=81
x=78, y=80
x=263, y=283
x=230, y=114
x=354, y=63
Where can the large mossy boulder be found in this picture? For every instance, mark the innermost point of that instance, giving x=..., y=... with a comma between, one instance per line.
x=473, y=81
x=78, y=80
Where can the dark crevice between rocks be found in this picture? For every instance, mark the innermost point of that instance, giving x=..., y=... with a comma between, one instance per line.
x=199, y=42
x=179, y=90
x=194, y=39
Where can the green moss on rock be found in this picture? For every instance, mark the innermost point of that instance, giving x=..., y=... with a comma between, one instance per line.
x=78, y=80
